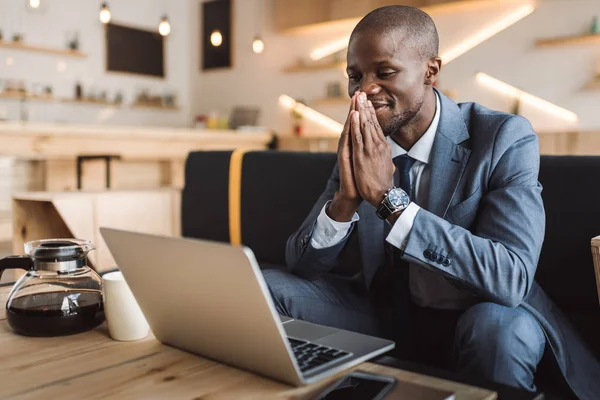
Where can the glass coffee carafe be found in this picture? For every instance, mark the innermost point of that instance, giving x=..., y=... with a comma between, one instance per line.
x=59, y=294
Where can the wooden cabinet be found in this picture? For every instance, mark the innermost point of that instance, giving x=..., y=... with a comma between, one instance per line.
x=290, y=15
x=44, y=215
x=413, y=3
x=345, y=9
x=298, y=13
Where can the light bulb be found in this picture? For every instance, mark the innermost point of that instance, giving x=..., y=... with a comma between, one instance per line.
x=164, y=28
x=104, y=14
x=34, y=3
x=216, y=39
x=258, y=46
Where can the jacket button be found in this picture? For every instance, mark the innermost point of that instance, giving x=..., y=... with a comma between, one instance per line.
x=427, y=254
x=441, y=259
x=447, y=262
x=433, y=256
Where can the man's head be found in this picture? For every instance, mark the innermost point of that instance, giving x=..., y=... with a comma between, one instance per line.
x=393, y=57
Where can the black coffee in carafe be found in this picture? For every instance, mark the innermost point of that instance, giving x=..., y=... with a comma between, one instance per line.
x=55, y=313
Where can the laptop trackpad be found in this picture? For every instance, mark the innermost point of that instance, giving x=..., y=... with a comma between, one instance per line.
x=306, y=330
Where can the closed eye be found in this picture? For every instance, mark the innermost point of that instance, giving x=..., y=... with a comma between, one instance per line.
x=386, y=74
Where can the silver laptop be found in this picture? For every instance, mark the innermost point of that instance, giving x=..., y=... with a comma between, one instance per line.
x=211, y=299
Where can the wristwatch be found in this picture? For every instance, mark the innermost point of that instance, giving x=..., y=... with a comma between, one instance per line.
x=394, y=200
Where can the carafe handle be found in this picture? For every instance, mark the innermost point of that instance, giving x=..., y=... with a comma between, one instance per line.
x=15, y=262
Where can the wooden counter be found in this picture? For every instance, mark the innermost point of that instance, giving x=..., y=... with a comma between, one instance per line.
x=149, y=157
x=44, y=141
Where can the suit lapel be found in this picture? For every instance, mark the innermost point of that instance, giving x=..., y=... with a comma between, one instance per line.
x=448, y=159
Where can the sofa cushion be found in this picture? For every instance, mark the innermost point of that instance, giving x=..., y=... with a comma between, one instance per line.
x=571, y=194
x=565, y=271
x=278, y=190
x=204, y=201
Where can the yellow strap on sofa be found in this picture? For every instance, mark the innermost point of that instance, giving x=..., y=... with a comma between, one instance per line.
x=235, y=197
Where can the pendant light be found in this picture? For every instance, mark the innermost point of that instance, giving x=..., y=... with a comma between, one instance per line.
x=104, y=13
x=164, y=28
x=258, y=46
x=35, y=4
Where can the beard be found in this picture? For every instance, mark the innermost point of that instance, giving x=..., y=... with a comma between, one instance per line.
x=399, y=121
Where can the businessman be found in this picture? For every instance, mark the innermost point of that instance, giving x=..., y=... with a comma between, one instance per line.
x=431, y=224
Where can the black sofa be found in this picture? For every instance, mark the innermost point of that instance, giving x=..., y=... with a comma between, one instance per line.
x=278, y=190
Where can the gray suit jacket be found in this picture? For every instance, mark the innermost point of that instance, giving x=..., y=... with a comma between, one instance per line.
x=485, y=213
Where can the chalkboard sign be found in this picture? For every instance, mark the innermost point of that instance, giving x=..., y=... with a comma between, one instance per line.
x=133, y=50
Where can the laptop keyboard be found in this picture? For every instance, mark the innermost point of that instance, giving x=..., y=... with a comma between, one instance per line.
x=312, y=356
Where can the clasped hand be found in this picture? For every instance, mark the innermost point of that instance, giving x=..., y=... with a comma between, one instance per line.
x=364, y=160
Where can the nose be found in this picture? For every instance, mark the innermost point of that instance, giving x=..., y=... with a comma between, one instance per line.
x=369, y=86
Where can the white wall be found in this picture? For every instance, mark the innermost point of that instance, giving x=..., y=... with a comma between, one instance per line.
x=50, y=27
x=556, y=74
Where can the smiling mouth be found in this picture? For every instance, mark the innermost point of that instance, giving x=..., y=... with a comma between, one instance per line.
x=380, y=107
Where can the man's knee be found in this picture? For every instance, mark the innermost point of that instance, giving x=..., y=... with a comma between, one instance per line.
x=500, y=343
x=489, y=324
x=277, y=281
x=283, y=287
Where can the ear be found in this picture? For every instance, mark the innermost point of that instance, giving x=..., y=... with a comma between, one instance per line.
x=434, y=66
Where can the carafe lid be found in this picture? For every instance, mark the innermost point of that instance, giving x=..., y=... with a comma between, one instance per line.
x=58, y=254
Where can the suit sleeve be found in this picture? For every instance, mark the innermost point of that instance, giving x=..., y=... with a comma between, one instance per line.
x=301, y=257
x=497, y=258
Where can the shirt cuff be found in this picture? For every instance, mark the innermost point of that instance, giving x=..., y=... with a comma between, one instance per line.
x=328, y=232
x=398, y=236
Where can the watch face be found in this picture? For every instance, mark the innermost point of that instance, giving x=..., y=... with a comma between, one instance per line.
x=398, y=198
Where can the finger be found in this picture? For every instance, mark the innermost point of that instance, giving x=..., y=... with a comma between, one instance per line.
x=378, y=129
x=344, y=140
x=346, y=130
x=366, y=124
x=357, y=138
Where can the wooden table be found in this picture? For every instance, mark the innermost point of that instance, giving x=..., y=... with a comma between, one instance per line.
x=92, y=366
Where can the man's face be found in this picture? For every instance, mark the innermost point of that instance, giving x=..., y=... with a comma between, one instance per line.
x=391, y=74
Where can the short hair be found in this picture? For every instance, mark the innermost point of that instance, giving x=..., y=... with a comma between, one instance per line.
x=417, y=26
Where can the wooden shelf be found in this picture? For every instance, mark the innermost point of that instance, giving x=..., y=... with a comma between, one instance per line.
x=40, y=49
x=21, y=96
x=331, y=101
x=341, y=65
x=103, y=103
x=155, y=107
x=569, y=40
